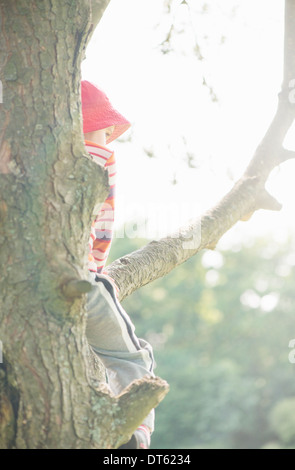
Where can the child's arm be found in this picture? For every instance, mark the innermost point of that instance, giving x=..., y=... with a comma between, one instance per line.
x=102, y=227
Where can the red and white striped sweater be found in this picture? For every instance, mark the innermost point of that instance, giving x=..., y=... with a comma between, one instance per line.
x=102, y=227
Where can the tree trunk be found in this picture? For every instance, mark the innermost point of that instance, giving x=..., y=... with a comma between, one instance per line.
x=49, y=395
x=50, y=391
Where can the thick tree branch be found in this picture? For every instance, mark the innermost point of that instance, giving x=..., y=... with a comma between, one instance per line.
x=248, y=195
x=124, y=412
x=135, y=403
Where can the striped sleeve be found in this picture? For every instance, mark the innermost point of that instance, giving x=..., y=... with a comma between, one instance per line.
x=102, y=227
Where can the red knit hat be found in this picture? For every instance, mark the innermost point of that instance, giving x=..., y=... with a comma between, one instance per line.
x=98, y=113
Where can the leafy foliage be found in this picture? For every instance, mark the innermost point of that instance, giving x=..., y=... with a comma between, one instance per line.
x=220, y=325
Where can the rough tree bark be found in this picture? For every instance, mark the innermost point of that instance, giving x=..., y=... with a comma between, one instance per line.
x=50, y=396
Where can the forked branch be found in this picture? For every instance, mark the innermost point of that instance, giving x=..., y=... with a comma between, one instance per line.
x=247, y=195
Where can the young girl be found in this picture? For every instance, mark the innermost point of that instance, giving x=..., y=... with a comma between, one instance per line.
x=109, y=330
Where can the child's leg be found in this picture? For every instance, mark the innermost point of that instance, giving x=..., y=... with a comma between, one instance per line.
x=111, y=334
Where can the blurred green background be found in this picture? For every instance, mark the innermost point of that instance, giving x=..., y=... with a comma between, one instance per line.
x=220, y=325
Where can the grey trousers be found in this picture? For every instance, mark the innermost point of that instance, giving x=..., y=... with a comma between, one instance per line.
x=111, y=334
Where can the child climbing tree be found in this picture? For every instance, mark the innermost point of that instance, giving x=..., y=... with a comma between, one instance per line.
x=50, y=395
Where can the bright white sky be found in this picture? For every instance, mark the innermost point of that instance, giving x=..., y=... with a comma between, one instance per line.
x=163, y=97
